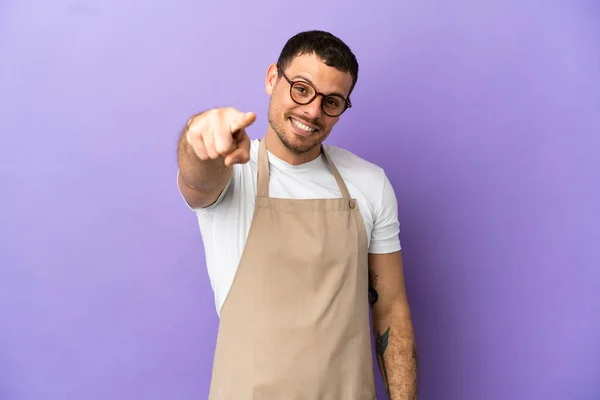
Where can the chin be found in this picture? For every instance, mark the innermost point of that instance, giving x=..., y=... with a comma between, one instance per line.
x=300, y=144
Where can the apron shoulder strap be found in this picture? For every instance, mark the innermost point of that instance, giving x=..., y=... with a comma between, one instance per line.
x=263, y=170
x=336, y=174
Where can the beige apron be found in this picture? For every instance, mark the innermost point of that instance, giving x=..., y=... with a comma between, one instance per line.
x=295, y=323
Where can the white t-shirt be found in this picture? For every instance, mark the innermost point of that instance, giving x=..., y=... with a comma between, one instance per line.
x=224, y=225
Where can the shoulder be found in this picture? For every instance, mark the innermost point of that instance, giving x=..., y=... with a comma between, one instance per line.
x=368, y=182
x=356, y=168
x=365, y=179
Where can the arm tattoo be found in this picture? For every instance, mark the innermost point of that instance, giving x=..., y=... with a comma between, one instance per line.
x=381, y=344
x=373, y=295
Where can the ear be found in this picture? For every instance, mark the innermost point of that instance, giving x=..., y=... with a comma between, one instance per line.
x=271, y=78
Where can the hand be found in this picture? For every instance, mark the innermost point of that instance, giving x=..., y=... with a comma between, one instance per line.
x=220, y=133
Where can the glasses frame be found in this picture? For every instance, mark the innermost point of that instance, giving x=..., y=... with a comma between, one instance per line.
x=347, y=103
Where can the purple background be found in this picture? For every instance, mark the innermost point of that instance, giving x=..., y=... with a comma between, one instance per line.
x=486, y=116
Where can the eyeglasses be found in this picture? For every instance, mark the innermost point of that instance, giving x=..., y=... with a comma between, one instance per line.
x=304, y=93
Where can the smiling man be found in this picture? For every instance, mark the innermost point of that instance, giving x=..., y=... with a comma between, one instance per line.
x=300, y=238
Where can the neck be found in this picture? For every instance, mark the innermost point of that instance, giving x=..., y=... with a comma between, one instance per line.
x=279, y=150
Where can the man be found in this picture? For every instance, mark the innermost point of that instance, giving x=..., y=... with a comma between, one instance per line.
x=299, y=236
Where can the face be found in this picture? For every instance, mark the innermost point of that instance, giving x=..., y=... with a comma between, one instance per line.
x=302, y=128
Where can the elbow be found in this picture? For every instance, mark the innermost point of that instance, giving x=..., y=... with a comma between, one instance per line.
x=393, y=311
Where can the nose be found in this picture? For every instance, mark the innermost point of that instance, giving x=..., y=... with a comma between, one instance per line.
x=313, y=109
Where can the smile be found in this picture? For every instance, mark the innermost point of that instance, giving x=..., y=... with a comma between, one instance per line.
x=302, y=126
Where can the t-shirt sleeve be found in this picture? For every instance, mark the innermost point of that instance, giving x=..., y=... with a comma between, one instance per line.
x=386, y=227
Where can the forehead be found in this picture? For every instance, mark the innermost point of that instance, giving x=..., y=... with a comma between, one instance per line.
x=327, y=79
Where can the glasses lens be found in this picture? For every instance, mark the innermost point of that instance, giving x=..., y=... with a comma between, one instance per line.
x=302, y=93
x=334, y=105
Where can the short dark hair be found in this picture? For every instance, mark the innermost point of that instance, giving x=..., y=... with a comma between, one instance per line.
x=329, y=48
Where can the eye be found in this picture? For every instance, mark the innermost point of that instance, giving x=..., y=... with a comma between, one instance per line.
x=302, y=89
x=332, y=102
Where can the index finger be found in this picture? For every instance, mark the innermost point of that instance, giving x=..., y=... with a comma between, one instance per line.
x=245, y=121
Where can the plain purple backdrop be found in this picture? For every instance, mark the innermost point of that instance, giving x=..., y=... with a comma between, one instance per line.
x=485, y=115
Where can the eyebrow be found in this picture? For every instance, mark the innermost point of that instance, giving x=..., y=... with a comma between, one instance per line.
x=309, y=81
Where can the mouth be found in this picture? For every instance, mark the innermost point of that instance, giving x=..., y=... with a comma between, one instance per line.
x=303, y=128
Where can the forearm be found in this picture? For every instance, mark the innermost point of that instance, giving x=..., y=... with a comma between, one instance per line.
x=397, y=355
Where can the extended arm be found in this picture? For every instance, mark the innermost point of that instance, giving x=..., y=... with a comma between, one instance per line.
x=392, y=324
x=200, y=181
x=209, y=145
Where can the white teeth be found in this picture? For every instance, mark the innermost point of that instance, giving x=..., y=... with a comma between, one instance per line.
x=302, y=126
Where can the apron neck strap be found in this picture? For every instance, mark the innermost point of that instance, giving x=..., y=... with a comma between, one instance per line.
x=263, y=172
